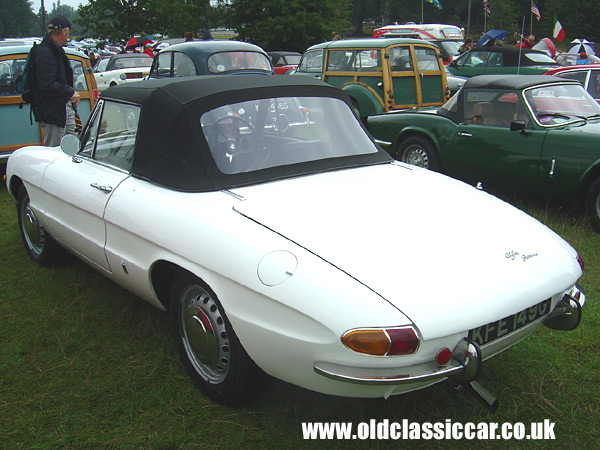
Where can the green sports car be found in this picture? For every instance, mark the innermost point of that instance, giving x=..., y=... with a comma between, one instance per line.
x=534, y=134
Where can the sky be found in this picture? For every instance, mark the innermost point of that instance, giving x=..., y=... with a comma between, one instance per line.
x=49, y=3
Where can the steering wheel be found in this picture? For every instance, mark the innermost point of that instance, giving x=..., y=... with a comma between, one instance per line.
x=225, y=136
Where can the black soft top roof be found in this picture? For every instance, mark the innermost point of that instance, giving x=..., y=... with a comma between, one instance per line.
x=213, y=46
x=513, y=56
x=515, y=82
x=171, y=149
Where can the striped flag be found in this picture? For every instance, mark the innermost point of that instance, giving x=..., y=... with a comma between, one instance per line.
x=559, y=32
x=535, y=11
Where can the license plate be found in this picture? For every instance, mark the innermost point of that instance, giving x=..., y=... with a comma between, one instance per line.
x=494, y=330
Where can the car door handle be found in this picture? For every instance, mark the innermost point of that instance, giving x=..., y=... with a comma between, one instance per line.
x=464, y=134
x=106, y=189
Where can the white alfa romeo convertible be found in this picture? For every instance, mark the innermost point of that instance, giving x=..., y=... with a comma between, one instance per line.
x=259, y=213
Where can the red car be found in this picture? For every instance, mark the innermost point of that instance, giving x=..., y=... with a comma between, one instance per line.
x=284, y=61
x=587, y=74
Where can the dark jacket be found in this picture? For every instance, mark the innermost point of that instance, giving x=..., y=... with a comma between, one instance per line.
x=54, y=83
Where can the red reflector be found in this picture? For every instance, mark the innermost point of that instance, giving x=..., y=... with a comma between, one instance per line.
x=580, y=261
x=95, y=94
x=404, y=341
x=443, y=356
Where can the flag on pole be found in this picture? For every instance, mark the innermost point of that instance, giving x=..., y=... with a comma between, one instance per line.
x=435, y=3
x=486, y=7
x=558, y=33
x=535, y=11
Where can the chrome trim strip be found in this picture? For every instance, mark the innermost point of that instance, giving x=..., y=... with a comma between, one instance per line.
x=362, y=375
x=234, y=195
x=380, y=142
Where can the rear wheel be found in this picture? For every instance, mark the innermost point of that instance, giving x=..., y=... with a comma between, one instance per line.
x=418, y=151
x=39, y=245
x=593, y=205
x=209, y=348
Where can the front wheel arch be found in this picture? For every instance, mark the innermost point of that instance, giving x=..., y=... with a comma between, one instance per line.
x=210, y=350
x=39, y=244
x=419, y=150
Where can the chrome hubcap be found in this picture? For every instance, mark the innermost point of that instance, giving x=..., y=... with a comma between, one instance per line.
x=32, y=230
x=204, y=334
x=416, y=156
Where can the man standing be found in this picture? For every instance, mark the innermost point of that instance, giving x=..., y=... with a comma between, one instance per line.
x=55, y=98
x=528, y=42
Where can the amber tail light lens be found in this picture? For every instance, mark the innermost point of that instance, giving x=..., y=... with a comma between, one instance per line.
x=382, y=341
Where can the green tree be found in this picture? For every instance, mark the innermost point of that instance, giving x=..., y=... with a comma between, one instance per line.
x=505, y=15
x=287, y=25
x=579, y=19
x=16, y=18
x=362, y=10
x=118, y=20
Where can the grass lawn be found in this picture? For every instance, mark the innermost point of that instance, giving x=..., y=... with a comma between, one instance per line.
x=86, y=365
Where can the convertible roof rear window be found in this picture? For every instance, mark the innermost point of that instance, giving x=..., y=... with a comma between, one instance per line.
x=241, y=60
x=273, y=132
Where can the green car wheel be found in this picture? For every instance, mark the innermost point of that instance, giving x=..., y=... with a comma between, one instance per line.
x=593, y=204
x=418, y=151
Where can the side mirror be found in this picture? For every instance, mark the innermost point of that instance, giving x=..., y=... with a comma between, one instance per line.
x=69, y=144
x=517, y=125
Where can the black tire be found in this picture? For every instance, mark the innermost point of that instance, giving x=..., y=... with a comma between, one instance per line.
x=209, y=348
x=418, y=151
x=592, y=205
x=356, y=109
x=39, y=245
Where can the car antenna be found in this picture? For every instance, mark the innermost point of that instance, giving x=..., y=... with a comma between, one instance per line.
x=520, y=47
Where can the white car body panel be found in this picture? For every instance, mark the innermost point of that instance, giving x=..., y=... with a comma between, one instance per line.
x=223, y=247
x=436, y=306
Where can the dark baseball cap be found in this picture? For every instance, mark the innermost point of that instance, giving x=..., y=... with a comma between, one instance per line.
x=58, y=23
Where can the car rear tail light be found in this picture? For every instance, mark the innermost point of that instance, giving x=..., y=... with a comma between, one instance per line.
x=382, y=341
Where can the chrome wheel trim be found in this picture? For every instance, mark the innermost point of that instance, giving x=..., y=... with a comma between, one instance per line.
x=416, y=155
x=32, y=230
x=204, y=334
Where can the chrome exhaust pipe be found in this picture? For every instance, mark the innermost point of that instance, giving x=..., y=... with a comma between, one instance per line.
x=483, y=395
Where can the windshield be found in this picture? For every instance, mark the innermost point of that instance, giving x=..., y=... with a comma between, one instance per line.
x=557, y=104
x=452, y=47
x=540, y=58
x=265, y=133
x=231, y=61
x=293, y=59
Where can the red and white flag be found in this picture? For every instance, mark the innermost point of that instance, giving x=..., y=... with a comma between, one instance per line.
x=558, y=33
